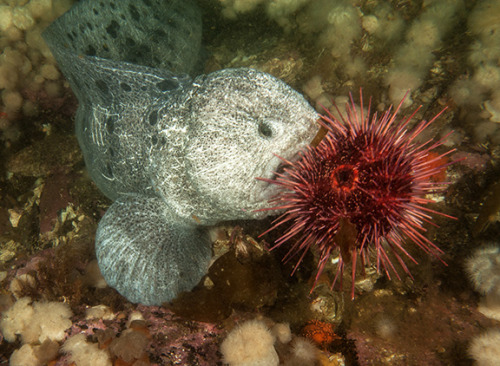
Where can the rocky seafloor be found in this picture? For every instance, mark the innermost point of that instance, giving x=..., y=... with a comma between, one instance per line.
x=49, y=210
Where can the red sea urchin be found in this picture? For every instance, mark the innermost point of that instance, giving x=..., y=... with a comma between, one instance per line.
x=361, y=189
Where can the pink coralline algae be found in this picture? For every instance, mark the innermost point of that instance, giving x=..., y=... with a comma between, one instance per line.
x=165, y=339
x=177, y=341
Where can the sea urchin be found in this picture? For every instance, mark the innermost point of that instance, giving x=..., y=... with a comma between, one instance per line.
x=360, y=190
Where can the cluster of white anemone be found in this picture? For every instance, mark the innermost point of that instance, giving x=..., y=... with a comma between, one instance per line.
x=338, y=25
x=26, y=63
x=484, y=271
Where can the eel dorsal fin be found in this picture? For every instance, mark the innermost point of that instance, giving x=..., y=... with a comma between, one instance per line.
x=164, y=34
x=102, y=82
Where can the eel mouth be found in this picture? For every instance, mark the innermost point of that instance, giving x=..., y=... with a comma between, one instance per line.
x=271, y=189
x=280, y=169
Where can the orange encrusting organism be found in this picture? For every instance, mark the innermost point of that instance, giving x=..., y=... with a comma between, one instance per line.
x=439, y=163
x=321, y=333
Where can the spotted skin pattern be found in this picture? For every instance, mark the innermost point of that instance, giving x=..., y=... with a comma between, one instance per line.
x=174, y=149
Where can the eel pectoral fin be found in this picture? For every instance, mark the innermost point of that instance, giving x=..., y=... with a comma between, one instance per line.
x=145, y=254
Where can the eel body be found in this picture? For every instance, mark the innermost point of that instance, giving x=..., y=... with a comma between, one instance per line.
x=176, y=150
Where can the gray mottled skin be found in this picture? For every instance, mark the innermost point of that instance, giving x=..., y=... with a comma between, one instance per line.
x=174, y=153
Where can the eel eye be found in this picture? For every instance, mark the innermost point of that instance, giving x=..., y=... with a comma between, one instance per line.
x=265, y=130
